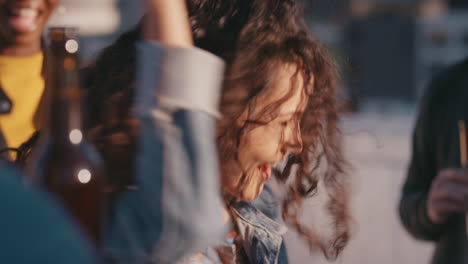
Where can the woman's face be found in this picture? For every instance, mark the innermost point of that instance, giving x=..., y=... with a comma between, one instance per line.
x=267, y=144
x=22, y=21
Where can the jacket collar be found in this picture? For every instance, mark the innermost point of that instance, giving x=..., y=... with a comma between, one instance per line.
x=262, y=236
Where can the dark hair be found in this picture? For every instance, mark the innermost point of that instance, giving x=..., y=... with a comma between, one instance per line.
x=253, y=37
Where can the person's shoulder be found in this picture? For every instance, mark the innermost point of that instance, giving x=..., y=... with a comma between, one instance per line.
x=446, y=86
x=32, y=216
x=458, y=69
x=10, y=175
x=451, y=77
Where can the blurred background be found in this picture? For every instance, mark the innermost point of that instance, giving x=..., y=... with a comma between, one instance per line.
x=388, y=50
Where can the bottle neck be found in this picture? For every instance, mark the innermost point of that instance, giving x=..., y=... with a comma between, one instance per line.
x=64, y=113
x=64, y=100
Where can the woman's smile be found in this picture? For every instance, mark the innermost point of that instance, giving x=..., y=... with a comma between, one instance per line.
x=265, y=171
x=24, y=19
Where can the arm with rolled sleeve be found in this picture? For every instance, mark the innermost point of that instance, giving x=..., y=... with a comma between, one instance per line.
x=176, y=209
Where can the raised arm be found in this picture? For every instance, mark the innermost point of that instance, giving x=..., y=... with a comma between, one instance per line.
x=176, y=209
x=167, y=22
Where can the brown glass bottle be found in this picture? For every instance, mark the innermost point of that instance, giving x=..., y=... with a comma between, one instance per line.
x=64, y=163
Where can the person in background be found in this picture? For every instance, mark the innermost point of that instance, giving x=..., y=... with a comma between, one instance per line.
x=278, y=102
x=434, y=199
x=34, y=227
x=21, y=68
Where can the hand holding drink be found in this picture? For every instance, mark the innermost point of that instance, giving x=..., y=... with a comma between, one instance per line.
x=449, y=191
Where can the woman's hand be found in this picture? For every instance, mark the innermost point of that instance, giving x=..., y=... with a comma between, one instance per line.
x=167, y=22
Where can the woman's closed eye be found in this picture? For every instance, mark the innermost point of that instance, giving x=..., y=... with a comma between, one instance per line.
x=284, y=123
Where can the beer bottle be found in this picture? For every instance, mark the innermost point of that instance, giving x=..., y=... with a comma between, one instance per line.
x=64, y=163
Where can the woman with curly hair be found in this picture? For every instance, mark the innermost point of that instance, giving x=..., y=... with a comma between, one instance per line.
x=278, y=102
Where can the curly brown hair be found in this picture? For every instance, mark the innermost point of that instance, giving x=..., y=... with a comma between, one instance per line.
x=266, y=34
x=253, y=37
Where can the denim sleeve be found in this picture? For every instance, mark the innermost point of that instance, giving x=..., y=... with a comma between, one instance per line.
x=176, y=208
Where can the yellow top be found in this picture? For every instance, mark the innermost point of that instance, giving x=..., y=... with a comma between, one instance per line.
x=21, y=80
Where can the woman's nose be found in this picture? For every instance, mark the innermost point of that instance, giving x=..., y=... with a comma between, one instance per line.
x=293, y=140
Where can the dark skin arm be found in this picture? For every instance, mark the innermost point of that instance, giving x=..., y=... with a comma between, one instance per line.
x=448, y=195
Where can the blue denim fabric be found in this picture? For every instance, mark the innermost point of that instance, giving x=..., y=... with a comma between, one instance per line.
x=175, y=209
x=262, y=235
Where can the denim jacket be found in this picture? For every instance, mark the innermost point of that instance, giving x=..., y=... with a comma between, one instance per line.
x=175, y=209
x=260, y=232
